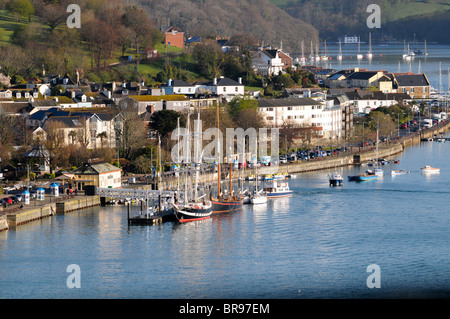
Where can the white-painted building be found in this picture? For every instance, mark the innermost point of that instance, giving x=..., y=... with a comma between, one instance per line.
x=267, y=62
x=323, y=117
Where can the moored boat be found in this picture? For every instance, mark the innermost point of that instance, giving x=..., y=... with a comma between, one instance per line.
x=258, y=198
x=277, y=189
x=193, y=211
x=430, y=170
x=368, y=176
x=225, y=203
x=336, y=179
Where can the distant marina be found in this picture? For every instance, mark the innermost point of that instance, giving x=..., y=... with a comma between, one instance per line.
x=431, y=58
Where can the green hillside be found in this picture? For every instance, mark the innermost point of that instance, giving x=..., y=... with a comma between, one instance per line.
x=400, y=11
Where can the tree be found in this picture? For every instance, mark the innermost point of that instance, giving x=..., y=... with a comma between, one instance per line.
x=131, y=132
x=142, y=164
x=102, y=136
x=165, y=121
x=239, y=104
x=52, y=142
x=209, y=59
x=100, y=47
x=20, y=8
x=142, y=28
x=52, y=14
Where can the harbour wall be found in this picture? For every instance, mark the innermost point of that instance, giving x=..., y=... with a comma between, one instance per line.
x=3, y=223
x=20, y=218
x=77, y=204
x=29, y=213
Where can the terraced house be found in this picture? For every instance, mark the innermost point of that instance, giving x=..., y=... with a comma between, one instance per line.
x=323, y=118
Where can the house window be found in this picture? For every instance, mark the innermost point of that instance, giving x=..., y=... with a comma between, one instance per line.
x=290, y=108
x=425, y=89
x=269, y=118
x=236, y=89
x=412, y=90
x=224, y=89
x=179, y=90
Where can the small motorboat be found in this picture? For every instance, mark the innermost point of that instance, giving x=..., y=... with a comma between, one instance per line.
x=430, y=170
x=336, y=179
x=258, y=198
x=277, y=189
x=279, y=176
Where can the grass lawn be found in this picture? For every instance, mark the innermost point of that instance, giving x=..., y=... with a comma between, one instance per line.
x=417, y=7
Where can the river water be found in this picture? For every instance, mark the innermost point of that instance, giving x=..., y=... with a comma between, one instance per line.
x=316, y=244
x=389, y=58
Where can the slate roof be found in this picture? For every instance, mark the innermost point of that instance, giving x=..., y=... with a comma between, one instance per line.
x=95, y=169
x=411, y=80
x=68, y=121
x=227, y=82
x=365, y=75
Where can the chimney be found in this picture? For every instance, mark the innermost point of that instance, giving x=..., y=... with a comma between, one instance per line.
x=113, y=86
x=240, y=80
x=215, y=81
x=169, y=83
x=73, y=94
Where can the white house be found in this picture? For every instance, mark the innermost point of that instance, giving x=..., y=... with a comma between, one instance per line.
x=267, y=62
x=325, y=119
x=179, y=87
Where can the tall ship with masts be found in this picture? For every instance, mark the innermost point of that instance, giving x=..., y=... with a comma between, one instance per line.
x=231, y=201
x=197, y=207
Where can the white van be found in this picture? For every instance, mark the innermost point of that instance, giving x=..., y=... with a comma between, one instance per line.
x=427, y=123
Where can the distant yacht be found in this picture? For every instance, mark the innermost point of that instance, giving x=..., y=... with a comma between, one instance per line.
x=325, y=56
x=369, y=54
x=359, y=56
x=339, y=57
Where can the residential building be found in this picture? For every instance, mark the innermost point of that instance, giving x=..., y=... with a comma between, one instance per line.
x=174, y=36
x=179, y=87
x=324, y=119
x=286, y=59
x=416, y=86
x=177, y=103
x=365, y=101
x=267, y=62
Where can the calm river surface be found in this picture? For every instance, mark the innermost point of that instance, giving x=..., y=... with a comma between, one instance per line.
x=317, y=244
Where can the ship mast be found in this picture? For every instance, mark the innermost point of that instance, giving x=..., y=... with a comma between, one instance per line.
x=218, y=152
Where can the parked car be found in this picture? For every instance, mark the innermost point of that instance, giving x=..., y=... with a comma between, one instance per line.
x=16, y=198
x=7, y=200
